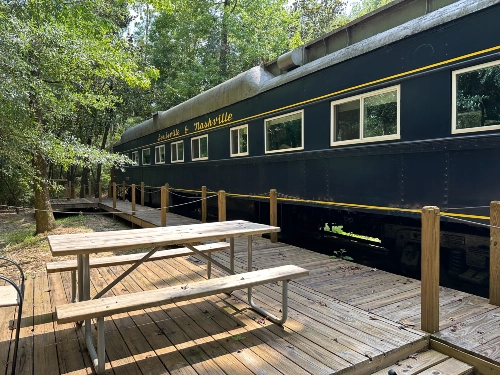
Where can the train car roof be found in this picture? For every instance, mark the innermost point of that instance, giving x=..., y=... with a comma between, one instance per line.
x=388, y=24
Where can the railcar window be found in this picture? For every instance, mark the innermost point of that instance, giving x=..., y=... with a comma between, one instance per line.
x=239, y=141
x=146, y=157
x=160, y=154
x=199, y=148
x=177, y=151
x=366, y=118
x=135, y=157
x=476, y=98
x=285, y=133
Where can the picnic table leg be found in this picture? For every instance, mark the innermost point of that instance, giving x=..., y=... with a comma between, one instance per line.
x=97, y=358
x=74, y=297
x=231, y=254
x=79, y=262
x=209, y=266
x=284, y=294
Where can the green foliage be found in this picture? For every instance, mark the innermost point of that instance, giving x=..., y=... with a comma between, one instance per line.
x=24, y=235
x=202, y=43
x=341, y=254
x=318, y=17
x=362, y=7
x=238, y=337
x=66, y=70
x=478, y=98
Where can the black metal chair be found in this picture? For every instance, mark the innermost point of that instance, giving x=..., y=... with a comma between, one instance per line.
x=13, y=295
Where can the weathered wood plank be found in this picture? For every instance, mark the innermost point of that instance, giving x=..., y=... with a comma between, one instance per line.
x=71, y=265
x=45, y=354
x=7, y=315
x=113, y=305
x=25, y=352
x=451, y=366
x=82, y=243
x=69, y=351
x=416, y=363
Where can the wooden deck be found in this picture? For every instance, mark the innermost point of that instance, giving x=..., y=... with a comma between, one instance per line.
x=62, y=204
x=344, y=319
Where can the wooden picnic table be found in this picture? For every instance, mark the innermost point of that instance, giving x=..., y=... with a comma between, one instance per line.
x=83, y=244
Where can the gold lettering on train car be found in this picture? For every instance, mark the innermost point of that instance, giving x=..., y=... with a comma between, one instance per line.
x=218, y=120
x=168, y=135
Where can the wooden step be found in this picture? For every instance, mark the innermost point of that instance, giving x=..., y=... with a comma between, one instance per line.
x=71, y=265
x=129, y=302
x=429, y=362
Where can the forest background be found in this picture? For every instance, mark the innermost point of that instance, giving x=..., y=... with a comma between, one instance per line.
x=76, y=74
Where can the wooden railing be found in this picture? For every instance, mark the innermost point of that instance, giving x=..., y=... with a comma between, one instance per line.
x=120, y=191
x=430, y=264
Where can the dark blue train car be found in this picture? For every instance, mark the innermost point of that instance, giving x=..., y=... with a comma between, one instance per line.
x=362, y=128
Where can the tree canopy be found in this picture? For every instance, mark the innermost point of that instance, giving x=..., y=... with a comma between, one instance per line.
x=60, y=65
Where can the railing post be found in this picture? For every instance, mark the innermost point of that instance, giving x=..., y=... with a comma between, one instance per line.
x=110, y=189
x=114, y=194
x=84, y=190
x=133, y=199
x=163, y=205
x=430, y=269
x=66, y=191
x=123, y=190
x=90, y=190
x=495, y=253
x=100, y=192
x=203, y=204
x=69, y=190
x=167, y=197
x=222, y=205
x=222, y=208
x=73, y=191
x=142, y=193
x=273, y=209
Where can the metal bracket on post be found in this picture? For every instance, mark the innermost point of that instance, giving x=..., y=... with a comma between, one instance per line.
x=209, y=259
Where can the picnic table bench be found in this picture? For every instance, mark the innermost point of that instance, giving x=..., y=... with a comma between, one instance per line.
x=84, y=244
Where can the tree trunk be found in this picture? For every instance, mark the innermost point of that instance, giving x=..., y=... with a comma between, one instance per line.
x=85, y=175
x=224, y=46
x=43, y=210
x=103, y=146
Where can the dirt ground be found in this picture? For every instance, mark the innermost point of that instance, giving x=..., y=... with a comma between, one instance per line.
x=19, y=242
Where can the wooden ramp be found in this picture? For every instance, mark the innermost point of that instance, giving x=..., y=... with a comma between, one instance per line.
x=144, y=217
x=72, y=204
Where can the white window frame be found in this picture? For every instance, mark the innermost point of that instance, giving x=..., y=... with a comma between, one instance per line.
x=171, y=149
x=454, y=129
x=237, y=128
x=301, y=133
x=199, y=143
x=361, y=117
x=135, y=160
x=142, y=154
x=164, y=155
